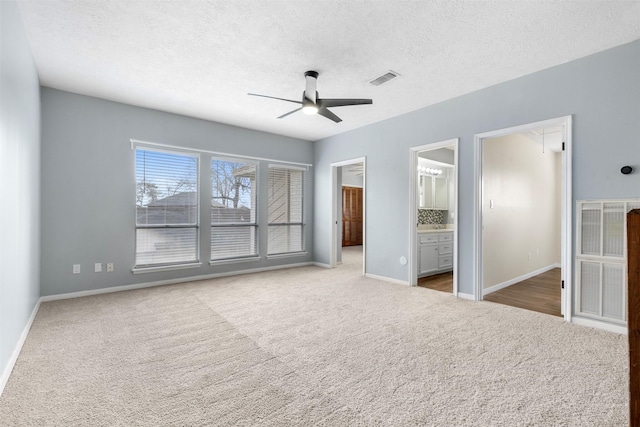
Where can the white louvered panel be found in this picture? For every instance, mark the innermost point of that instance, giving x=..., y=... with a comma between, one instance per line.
x=590, y=232
x=601, y=261
x=633, y=205
x=590, y=287
x=613, y=229
x=613, y=301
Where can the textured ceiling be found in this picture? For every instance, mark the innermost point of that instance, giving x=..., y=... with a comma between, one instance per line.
x=201, y=58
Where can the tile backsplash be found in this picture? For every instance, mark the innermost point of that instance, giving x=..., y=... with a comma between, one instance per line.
x=430, y=216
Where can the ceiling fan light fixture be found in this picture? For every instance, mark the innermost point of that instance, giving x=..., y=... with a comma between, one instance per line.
x=310, y=108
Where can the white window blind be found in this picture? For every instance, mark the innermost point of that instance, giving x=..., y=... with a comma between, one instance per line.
x=285, y=213
x=167, y=200
x=233, y=209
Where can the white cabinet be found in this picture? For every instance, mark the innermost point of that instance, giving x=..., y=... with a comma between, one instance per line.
x=435, y=253
x=427, y=253
x=434, y=192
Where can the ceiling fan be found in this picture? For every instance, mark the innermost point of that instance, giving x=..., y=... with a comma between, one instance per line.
x=312, y=104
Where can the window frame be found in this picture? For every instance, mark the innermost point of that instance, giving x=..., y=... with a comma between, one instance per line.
x=301, y=223
x=162, y=266
x=255, y=211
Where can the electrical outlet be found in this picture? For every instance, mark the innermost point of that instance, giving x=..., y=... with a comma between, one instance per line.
x=97, y=267
x=109, y=267
x=76, y=268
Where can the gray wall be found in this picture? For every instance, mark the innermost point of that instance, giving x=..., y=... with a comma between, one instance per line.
x=19, y=182
x=601, y=91
x=443, y=155
x=88, y=187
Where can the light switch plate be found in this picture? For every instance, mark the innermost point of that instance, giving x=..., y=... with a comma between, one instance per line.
x=97, y=267
x=76, y=268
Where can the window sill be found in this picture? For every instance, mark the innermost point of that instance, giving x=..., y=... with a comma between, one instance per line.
x=142, y=270
x=234, y=260
x=287, y=255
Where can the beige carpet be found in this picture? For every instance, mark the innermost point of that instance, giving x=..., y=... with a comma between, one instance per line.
x=310, y=346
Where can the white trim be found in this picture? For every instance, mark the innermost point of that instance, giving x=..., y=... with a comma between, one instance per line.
x=6, y=373
x=469, y=297
x=142, y=270
x=285, y=165
x=567, y=205
x=477, y=218
x=168, y=282
x=592, y=323
x=566, y=250
x=519, y=279
x=386, y=279
x=413, y=208
x=320, y=264
x=138, y=142
x=234, y=260
x=334, y=214
x=287, y=255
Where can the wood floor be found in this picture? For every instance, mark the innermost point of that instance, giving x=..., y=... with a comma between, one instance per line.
x=442, y=282
x=540, y=293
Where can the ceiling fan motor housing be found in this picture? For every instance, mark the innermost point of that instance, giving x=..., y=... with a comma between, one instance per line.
x=310, y=92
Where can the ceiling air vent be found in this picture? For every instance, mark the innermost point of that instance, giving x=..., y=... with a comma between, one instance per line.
x=384, y=78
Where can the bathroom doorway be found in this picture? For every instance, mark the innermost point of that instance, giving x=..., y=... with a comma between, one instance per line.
x=433, y=262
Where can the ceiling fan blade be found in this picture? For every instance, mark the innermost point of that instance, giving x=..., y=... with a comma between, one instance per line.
x=273, y=97
x=290, y=112
x=329, y=115
x=326, y=103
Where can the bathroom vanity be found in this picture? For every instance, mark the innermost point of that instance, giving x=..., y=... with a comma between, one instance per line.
x=435, y=251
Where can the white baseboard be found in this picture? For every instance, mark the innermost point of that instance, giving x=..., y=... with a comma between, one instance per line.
x=320, y=264
x=592, y=323
x=16, y=351
x=515, y=280
x=466, y=296
x=387, y=279
x=168, y=282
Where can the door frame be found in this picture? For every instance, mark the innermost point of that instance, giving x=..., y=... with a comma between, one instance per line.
x=335, y=215
x=413, y=208
x=566, y=206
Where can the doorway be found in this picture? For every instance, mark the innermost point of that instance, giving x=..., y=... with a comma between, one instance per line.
x=348, y=242
x=352, y=215
x=523, y=216
x=433, y=226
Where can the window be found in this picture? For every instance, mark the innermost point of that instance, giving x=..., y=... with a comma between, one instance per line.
x=285, y=210
x=166, y=208
x=233, y=209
